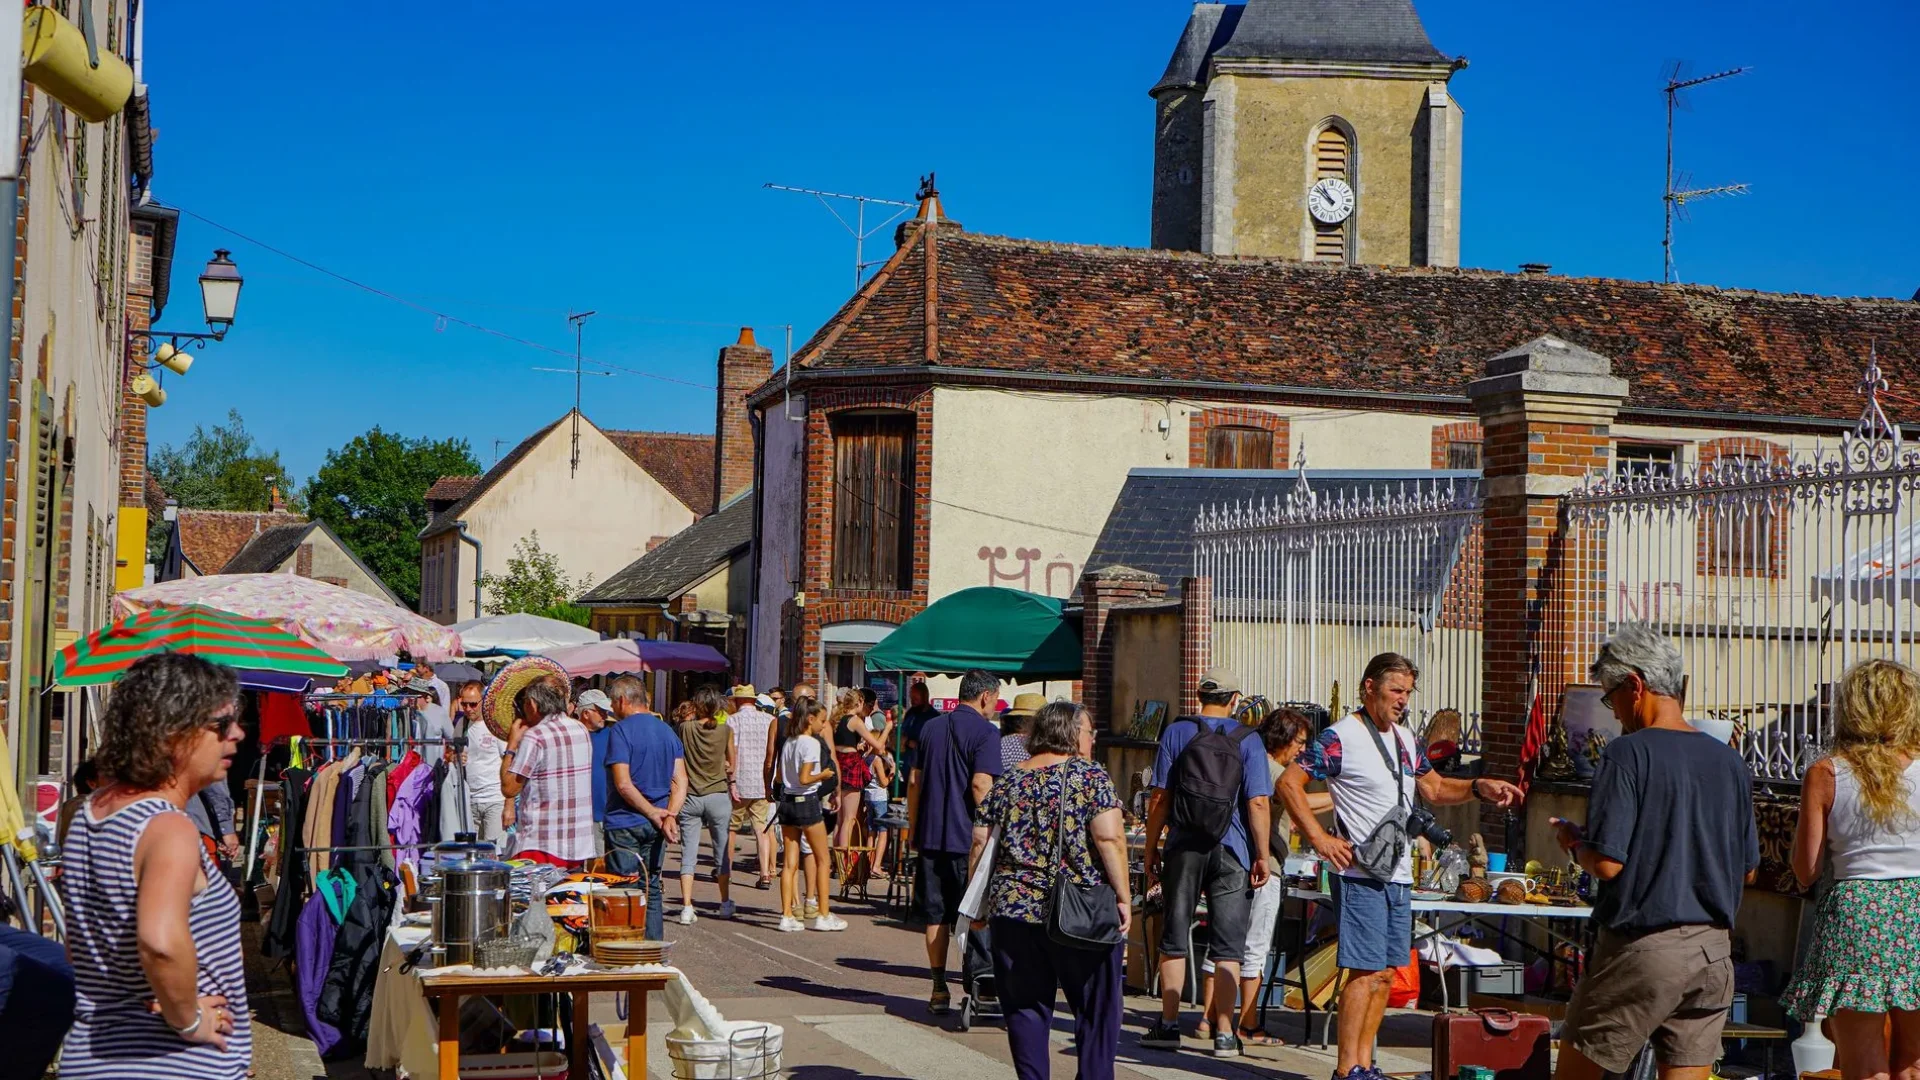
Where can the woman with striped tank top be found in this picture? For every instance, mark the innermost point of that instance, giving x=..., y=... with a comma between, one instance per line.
x=153, y=928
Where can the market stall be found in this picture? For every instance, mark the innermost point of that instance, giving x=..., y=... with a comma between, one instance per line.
x=344, y=624
x=519, y=634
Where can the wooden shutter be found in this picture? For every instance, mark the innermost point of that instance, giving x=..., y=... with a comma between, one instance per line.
x=1230, y=447
x=873, y=502
x=1463, y=455
x=1331, y=158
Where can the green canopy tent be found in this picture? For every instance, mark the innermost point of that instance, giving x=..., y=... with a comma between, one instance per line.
x=1020, y=636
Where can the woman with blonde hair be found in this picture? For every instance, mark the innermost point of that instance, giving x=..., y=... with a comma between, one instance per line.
x=1860, y=811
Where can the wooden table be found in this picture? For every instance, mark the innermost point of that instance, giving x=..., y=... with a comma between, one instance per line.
x=450, y=988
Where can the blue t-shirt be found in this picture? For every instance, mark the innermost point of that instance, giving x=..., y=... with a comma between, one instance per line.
x=602, y=783
x=1256, y=780
x=648, y=748
x=953, y=747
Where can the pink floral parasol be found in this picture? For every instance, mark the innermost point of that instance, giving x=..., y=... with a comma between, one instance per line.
x=344, y=624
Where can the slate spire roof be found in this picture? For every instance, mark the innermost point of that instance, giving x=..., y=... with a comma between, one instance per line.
x=1350, y=31
x=956, y=306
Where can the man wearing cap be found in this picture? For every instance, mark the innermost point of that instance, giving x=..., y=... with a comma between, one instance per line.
x=594, y=710
x=1226, y=869
x=1013, y=729
x=752, y=728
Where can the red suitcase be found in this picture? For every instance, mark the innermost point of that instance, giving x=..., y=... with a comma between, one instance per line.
x=1516, y=1046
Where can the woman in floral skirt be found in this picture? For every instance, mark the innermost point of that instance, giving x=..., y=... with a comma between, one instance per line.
x=1860, y=811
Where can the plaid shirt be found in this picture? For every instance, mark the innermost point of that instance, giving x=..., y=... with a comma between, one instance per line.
x=556, y=806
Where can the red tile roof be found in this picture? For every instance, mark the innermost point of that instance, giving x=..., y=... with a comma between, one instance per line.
x=211, y=538
x=682, y=463
x=1008, y=308
x=451, y=488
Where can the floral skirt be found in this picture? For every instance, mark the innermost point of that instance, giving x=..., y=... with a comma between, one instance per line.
x=1865, y=953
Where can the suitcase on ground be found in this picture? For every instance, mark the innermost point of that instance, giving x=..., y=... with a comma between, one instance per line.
x=1516, y=1046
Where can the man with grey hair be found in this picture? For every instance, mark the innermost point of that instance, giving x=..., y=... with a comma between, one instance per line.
x=549, y=758
x=1670, y=837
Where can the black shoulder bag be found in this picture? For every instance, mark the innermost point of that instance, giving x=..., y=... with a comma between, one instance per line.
x=1079, y=916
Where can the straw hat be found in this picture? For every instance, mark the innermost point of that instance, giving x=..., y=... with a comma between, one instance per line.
x=1026, y=705
x=496, y=705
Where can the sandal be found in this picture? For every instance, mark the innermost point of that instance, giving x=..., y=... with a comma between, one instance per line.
x=765, y=882
x=941, y=1003
x=1259, y=1037
x=1203, y=1030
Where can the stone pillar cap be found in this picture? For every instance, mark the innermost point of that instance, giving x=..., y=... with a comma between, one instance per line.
x=1549, y=365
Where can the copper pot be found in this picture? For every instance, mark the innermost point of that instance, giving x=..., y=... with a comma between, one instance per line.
x=613, y=907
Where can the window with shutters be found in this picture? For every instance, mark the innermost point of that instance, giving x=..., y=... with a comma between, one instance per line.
x=1233, y=446
x=1332, y=159
x=1463, y=455
x=873, y=501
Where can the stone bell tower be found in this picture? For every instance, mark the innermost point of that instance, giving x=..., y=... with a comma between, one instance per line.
x=1308, y=129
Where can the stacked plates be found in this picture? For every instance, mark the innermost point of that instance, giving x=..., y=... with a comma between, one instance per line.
x=623, y=953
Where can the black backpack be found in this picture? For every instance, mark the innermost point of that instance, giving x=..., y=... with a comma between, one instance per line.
x=1205, y=781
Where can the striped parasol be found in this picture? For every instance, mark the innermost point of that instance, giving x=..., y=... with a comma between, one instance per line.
x=219, y=636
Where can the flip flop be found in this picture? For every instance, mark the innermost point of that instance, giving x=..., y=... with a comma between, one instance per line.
x=1259, y=1037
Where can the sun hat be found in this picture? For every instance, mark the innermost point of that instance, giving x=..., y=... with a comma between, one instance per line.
x=1026, y=704
x=744, y=690
x=496, y=705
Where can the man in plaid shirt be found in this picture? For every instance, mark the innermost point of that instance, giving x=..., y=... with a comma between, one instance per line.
x=549, y=757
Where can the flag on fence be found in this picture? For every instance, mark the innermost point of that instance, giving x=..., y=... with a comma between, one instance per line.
x=1536, y=738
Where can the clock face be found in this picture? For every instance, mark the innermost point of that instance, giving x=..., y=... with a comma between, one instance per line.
x=1330, y=201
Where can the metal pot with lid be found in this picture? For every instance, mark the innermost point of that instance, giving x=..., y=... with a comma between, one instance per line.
x=469, y=896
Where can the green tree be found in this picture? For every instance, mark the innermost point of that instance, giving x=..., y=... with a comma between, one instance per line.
x=373, y=493
x=533, y=582
x=217, y=468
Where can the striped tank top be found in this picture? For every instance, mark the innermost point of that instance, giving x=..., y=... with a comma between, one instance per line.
x=114, y=1035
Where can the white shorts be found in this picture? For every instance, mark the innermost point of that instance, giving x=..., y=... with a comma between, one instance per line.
x=1261, y=919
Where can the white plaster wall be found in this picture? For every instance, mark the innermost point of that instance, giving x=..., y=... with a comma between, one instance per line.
x=597, y=521
x=777, y=549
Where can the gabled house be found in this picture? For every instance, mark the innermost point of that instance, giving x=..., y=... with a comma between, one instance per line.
x=309, y=549
x=695, y=586
x=202, y=542
x=627, y=490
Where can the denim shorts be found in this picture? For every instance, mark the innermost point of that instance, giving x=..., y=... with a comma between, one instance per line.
x=1376, y=923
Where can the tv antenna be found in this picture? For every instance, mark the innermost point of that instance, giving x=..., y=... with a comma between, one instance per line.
x=1677, y=198
x=579, y=320
x=858, y=226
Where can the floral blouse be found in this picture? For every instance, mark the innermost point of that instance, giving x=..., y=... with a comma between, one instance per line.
x=1025, y=803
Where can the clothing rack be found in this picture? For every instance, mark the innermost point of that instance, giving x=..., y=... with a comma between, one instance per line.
x=456, y=742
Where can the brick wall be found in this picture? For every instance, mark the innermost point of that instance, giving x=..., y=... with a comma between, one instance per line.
x=826, y=605
x=1546, y=408
x=9, y=469
x=303, y=561
x=744, y=365
x=1196, y=638
x=133, y=411
x=1101, y=592
x=1445, y=435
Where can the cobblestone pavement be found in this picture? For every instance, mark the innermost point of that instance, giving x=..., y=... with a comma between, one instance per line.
x=854, y=1007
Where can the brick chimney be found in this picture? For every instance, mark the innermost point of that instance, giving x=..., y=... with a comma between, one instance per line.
x=744, y=365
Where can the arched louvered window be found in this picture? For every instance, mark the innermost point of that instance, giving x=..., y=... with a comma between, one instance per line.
x=1332, y=157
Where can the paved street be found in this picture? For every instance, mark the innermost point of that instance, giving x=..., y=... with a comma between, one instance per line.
x=854, y=1006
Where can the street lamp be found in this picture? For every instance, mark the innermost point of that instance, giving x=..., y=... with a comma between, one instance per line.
x=220, y=292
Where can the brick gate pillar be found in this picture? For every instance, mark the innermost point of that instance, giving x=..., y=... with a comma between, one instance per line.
x=1546, y=408
x=1196, y=639
x=1100, y=592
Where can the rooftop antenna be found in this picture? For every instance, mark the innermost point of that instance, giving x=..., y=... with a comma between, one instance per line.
x=579, y=320
x=858, y=226
x=1676, y=199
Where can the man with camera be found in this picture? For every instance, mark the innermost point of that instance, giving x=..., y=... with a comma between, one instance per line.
x=1376, y=771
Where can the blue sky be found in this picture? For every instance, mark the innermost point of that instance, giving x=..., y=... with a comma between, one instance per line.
x=505, y=163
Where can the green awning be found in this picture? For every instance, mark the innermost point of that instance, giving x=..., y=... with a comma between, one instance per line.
x=1017, y=635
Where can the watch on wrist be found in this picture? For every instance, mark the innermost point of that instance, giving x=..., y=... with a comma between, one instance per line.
x=1474, y=789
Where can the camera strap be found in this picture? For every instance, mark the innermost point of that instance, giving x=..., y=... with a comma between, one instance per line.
x=1393, y=763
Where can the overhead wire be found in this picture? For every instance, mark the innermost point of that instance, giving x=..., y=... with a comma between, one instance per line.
x=442, y=316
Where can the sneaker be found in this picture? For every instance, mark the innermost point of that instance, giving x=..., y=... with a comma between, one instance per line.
x=686, y=915
x=789, y=924
x=810, y=909
x=1362, y=1072
x=1163, y=1035
x=1226, y=1045
x=828, y=922
x=726, y=909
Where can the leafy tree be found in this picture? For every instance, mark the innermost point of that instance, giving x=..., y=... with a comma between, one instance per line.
x=217, y=468
x=533, y=583
x=578, y=614
x=373, y=493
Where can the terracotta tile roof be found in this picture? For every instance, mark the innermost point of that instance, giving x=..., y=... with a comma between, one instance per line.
x=1283, y=328
x=682, y=463
x=211, y=538
x=451, y=488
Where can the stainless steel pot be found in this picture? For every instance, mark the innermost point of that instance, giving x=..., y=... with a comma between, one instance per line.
x=469, y=906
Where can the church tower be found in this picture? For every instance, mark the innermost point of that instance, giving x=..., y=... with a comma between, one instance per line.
x=1308, y=129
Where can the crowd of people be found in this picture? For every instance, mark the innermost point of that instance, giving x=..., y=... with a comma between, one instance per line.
x=1017, y=836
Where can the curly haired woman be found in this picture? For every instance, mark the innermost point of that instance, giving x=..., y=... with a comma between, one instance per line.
x=1860, y=812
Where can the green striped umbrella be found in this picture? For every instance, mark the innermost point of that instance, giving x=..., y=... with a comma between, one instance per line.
x=219, y=636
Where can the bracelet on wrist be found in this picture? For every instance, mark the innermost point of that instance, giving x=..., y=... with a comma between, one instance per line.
x=198, y=1015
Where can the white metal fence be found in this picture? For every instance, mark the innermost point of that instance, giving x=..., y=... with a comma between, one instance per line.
x=1306, y=589
x=1772, y=569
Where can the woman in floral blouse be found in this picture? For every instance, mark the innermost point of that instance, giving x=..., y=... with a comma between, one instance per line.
x=1029, y=966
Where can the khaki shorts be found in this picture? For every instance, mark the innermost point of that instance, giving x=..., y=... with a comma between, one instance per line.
x=757, y=811
x=1671, y=987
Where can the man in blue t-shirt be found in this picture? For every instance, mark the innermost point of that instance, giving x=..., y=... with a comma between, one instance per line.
x=1226, y=871
x=647, y=774
x=959, y=760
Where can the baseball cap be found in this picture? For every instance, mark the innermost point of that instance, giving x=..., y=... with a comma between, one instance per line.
x=597, y=699
x=1219, y=681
